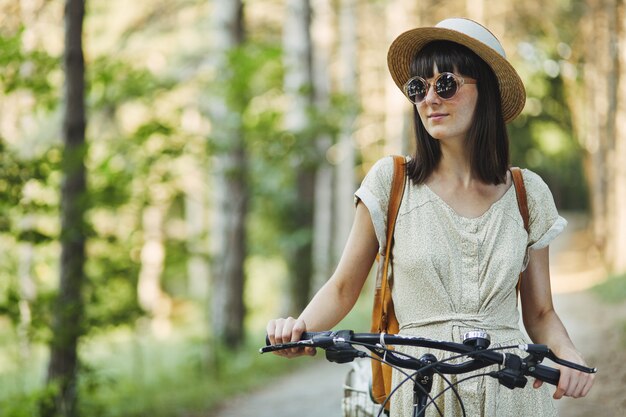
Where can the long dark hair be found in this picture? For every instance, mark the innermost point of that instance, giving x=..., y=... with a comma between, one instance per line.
x=487, y=139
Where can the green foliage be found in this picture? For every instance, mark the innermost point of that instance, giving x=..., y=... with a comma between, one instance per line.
x=113, y=82
x=613, y=290
x=28, y=70
x=27, y=405
x=140, y=376
x=543, y=140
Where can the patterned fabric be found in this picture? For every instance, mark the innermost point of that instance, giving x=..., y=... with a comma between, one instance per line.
x=453, y=274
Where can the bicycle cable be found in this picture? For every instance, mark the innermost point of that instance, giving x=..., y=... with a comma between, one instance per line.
x=396, y=367
x=448, y=382
x=453, y=388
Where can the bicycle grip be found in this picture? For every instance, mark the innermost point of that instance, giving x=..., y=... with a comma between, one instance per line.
x=546, y=374
x=304, y=336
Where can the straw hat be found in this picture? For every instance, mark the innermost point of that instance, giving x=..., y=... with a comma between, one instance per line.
x=471, y=35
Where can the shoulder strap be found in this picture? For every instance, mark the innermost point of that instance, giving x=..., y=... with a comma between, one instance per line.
x=522, y=204
x=395, y=198
x=520, y=192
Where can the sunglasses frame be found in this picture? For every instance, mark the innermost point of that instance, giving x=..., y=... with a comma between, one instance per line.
x=459, y=80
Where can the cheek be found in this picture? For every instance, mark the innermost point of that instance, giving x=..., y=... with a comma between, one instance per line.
x=471, y=109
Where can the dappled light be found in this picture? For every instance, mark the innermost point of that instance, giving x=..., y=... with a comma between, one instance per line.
x=220, y=152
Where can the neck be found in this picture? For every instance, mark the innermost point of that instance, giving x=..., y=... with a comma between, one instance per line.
x=455, y=164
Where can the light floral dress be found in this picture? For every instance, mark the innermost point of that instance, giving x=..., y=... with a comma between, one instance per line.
x=453, y=274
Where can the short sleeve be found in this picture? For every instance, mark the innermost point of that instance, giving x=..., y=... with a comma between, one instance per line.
x=545, y=224
x=374, y=193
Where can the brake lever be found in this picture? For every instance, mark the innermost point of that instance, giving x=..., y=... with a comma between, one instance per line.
x=539, y=352
x=572, y=365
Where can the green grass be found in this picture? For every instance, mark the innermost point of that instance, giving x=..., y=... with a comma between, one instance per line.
x=186, y=391
x=130, y=373
x=613, y=290
x=126, y=377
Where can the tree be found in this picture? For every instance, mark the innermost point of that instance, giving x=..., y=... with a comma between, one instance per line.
x=230, y=194
x=599, y=115
x=345, y=184
x=620, y=146
x=298, y=85
x=68, y=310
x=322, y=32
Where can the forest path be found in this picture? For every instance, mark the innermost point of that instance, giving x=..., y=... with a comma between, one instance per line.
x=316, y=389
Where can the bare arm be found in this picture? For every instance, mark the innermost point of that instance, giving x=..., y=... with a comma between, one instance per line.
x=544, y=325
x=337, y=297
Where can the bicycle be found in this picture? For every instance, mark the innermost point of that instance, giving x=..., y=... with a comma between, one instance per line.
x=512, y=373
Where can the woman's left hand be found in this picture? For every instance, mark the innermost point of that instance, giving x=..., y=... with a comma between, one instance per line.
x=572, y=383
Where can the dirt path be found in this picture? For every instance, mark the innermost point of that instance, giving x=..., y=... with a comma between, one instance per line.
x=595, y=328
x=316, y=389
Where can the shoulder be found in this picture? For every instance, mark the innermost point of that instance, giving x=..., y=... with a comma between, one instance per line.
x=384, y=166
x=381, y=172
x=540, y=198
x=534, y=184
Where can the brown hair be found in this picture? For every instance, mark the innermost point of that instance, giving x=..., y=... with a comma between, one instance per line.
x=487, y=139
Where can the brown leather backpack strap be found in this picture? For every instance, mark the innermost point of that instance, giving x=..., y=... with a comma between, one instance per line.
x=520, y=192
x=395, y=198
x=522, y=204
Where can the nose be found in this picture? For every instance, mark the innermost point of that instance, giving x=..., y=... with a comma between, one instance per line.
x=431, y=96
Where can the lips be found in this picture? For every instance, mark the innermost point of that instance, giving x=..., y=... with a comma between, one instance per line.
x=437, y=116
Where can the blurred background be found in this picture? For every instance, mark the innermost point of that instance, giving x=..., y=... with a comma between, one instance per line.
x=174, y=173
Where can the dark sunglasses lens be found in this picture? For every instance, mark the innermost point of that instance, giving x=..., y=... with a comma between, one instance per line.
x=446, y=86
x=416, y=90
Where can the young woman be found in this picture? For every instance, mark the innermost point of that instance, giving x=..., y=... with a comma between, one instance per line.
x=460, y=241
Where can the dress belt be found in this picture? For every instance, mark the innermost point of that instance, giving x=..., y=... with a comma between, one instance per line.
x=476, y=321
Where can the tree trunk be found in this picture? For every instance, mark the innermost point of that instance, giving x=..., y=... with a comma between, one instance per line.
x=68, y=309
x=610, y=128
x=601, y=83
x=619, y=183
x=298, y=84
x=346, y=182
x=400, y=15
x=322, y=33
x=230, y=193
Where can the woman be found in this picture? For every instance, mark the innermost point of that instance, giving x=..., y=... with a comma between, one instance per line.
x=460, y=241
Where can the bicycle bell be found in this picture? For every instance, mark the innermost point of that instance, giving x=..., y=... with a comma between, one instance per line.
x=479, y=339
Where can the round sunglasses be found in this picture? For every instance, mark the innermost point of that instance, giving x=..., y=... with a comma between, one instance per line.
x=446, y=85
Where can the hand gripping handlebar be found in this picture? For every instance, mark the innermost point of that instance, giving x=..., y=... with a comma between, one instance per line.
x=513, y=369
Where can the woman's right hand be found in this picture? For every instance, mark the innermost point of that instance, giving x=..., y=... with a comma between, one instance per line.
x=288, y=330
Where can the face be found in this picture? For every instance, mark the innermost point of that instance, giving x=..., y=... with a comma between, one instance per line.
x=448, y=119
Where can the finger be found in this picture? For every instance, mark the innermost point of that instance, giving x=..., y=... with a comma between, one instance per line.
x=576, y=391
x=538, y=383
x=311, y=351
x=581, y=383
x=588, y=384
x=287, y=336
x=586, y=380
x=286, y=330
x=564, y=382
x=299, y=327
x=278, y=332
x=270, y=330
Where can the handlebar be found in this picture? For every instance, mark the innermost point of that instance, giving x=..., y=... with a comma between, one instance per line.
x=339, y=348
